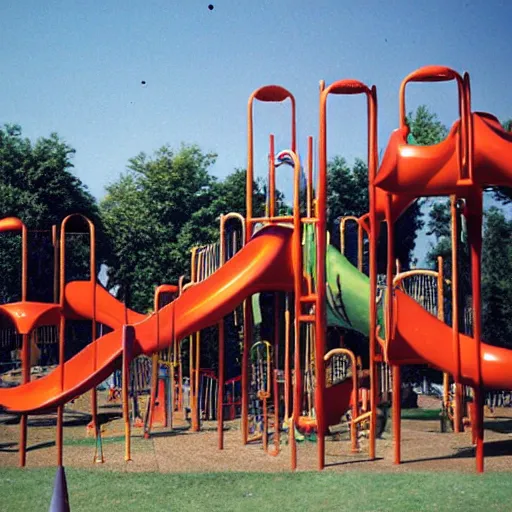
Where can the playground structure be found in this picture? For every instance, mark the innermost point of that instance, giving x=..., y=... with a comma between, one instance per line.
x=290, y=257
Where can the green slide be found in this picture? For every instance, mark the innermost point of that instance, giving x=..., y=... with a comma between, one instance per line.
x=348, y=290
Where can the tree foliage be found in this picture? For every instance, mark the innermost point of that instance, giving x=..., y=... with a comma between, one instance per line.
x=496, y=279
x=504, y=194
x=425, y=127
x=159, y=209
x=38, y=186
x=347, y=194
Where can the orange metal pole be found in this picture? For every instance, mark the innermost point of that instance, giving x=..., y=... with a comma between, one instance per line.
x=196, y=423
x=269, y=93
x=440, y=315
x=25, y=347
x=474, y=220
x=457, y=420
x=62, y=328
x=94, y=394
x=128, y=333
x=343, y=87
x=55, y=243
x=220, y=391
x=92, y=269
x=180, y=379
x=220, y=399
x=245, y=370
x=287, y=370
x=355, y=392
x=373, y=238
x=275, y=388
x=320, y=306
x=192, y=381
x=397, y=381
x=359, y=247
x=443, y=74
x=309, y=180
x=272, y=179
x=25, y=371
x=155, y=358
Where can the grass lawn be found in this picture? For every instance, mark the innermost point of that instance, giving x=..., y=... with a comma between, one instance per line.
x=420, y=414
x=30, y=490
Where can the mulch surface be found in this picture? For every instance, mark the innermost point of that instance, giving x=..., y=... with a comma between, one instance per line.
x=424, y=448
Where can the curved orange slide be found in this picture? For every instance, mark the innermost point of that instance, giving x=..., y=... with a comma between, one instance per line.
x=419, y=336
x=109, y=310
x=264, y=264
x=433, y=170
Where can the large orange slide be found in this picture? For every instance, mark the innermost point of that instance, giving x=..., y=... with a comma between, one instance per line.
x=264, y=264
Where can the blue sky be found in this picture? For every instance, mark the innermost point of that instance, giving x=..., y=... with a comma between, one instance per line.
x=76, y=68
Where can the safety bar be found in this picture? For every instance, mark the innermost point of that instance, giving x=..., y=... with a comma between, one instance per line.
x=268, y=94
x=349, y=87
x=446, y=74
x=15, y=224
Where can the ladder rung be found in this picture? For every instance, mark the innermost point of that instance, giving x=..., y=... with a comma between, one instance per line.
x=307, y=318
x=309, y=298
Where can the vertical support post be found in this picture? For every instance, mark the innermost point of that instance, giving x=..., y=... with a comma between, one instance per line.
x=397, y=381
x=180, y=377
x=296, y=381
x=128, y=339
x=25, y=347
x=355, y=406
x=154, y=384
x=275, y=387
x=320, y=306
x=94, y=395
x=25, y=369
x=192, y=380
x=360, y=252
x=60, y=409
x=440, y=315
x=344, y=87
x=62, y=278
x=269, y=93
x=55, y=243
x=309, y=180
x=197, y=384
x=245, y=370
x=221, y=376
x=287, y=369
x=374, y=234
x=455, y=232
x=271, y=180
x=474, y=213
x=220, y=399
x=397, y=412
x=297, y=287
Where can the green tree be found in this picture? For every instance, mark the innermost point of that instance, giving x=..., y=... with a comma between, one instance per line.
x=504, y=194
x=496, y=279
x=38, y=186
x=347, y=194
x=425, y=127
x=159, y=209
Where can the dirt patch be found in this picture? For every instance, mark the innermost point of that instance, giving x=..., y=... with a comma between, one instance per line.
x=424, y=448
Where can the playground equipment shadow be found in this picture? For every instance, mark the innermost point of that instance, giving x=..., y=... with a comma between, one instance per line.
x=424, y=448
x=181, y=450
